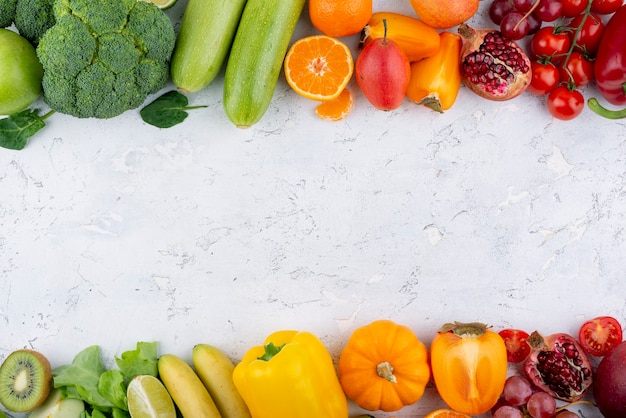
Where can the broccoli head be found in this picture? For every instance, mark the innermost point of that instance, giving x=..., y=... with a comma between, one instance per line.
x=103, y=57
x=33, y=18
x=7, y=12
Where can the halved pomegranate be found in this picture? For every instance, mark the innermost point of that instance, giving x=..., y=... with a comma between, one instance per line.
x=493, y=66
x=559, y=366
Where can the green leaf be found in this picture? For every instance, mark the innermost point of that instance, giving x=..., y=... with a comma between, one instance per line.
x=112, y=387
x=141, y=361
x=119, y=413
x=82, y=378
x=168, y=110
x=16, y=129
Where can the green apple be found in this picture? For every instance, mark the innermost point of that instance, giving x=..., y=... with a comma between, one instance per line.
x=20, y=73
x=57, y=407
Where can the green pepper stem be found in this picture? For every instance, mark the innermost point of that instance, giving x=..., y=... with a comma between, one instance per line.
x=603, y=111
x=270, y=351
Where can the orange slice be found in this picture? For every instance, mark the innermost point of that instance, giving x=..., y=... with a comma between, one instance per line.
x=318, y=67
x=337, y=108
x=446, y=413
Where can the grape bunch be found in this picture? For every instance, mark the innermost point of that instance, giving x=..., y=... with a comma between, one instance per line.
x=520, y=399
x=519, y=18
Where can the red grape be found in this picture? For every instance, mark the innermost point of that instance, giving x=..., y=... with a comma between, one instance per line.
x=508, y=412
x=517, y=390
x=523, y=5
x=514, y=26
x=548, y=10
x=500, y=8
x=541, y=405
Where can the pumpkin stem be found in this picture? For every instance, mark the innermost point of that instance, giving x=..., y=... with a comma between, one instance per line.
x=385, y=370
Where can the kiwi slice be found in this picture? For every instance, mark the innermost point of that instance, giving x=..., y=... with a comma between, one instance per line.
x=25, y=380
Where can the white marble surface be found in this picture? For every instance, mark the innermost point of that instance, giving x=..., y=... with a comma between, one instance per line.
x=113, y=231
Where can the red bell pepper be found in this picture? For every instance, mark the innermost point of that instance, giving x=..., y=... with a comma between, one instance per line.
x=610, y=62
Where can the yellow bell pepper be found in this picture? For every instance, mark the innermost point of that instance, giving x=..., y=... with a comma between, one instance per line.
x=292, y=375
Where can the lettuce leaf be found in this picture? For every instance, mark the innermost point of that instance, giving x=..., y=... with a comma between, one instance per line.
x=104, y=391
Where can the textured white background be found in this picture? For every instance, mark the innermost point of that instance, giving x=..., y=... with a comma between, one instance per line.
x=113, y=231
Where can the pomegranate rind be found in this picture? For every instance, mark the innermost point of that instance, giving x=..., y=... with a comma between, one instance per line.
x=510, y=79
x=571, y=360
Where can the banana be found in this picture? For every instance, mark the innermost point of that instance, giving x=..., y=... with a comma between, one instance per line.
x=186, y=388
x=215, y=370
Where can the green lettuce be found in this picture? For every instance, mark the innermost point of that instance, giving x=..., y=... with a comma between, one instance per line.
x=102, y=390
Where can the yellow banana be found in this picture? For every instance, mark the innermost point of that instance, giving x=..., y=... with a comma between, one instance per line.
x=215, y=370
x=186, y=388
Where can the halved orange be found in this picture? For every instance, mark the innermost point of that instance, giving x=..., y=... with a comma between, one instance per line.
x=337, y=108
x=447, y=413
x=318, y=67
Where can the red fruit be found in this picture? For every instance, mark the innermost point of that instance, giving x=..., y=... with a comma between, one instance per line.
x=599, y=335
x=586, y=32
x=492, y=66
x=558, y=365
x=382, y=72
x=577, y=70
x=565, y=103
x=609, y=386
x=550, y=42
x=516, y=347
x=545, y=79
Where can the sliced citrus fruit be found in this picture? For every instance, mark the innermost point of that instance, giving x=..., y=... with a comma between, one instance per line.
x=148, y=398
x=162, y=4
x=447, y=413
x=337, y=108
x=318, y=67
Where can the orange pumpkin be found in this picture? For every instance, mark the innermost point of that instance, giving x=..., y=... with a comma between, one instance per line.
x=384, y=366
x=469, y=366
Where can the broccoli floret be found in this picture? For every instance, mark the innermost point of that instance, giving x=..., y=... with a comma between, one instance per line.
x=103, y=57
x=33, y=18
x=7, y=12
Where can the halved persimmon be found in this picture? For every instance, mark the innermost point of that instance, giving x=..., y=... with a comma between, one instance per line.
x=318, y=67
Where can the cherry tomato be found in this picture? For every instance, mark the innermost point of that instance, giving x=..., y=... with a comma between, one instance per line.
x=517, y=349
x=573, y=8
x=588, y=37
x=599, y=335
x=549, y=42
x=605, y=7
x=545, y=77
x=577, y=70
x=565, y=103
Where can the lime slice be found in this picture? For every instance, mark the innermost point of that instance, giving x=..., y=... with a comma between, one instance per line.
x=148, y=398
x=162, y=4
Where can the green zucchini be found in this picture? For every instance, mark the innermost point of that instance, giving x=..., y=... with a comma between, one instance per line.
x=256, y=57
x=206, y=34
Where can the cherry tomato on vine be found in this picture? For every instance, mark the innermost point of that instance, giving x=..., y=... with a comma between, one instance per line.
x=588, y=37
x=599, y=335
x=550, y=42
x=565, y=103
x=605, y=7
x=573, y=8
x=545, y=77
x=577, y=70
x=517, y=349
